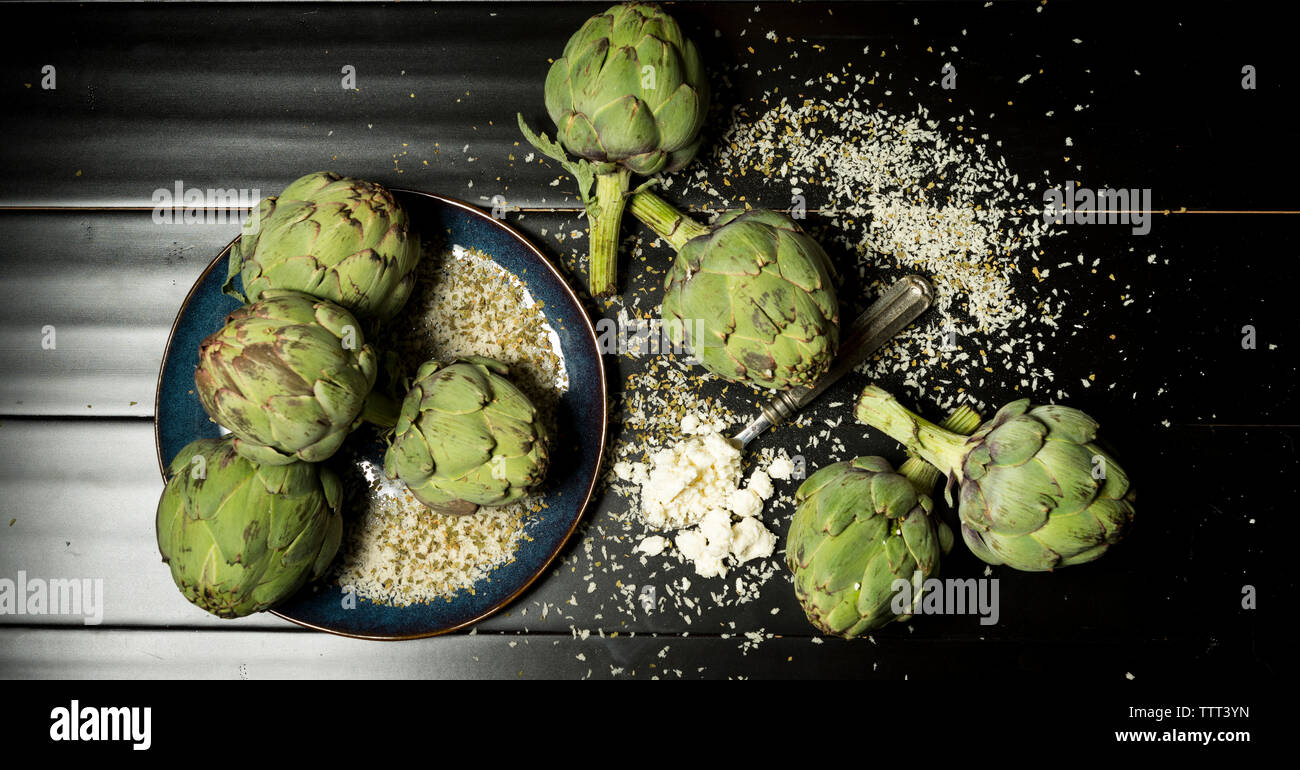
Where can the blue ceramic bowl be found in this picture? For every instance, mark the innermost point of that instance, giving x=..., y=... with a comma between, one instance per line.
x=581, y=414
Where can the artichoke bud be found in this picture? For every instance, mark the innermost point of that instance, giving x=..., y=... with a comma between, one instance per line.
x=467, y=437
x=629, y=89
x=241, y=537
x=1030, y=498
x=628, y=96
x=884, y=517
x=1035, y=491
x=340, y=239
x=859, y=526
x=755, y=299
x=288, y=375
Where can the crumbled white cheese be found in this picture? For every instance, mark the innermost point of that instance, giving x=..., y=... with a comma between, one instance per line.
x=693, y=545
x=652, y=546
x=695, y=487
x=690, y=424
x=687, y=480
x=717, y=528
x=760, y=484
x=781, y=468
x=751, y=540
x=745, y=503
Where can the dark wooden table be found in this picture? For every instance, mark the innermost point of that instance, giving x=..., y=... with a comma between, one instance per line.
x=247, y=96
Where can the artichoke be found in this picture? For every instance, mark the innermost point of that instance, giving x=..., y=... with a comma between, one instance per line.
x=754, y=295
x=628, y=96
x=241, y=537
x=290, y=376
x=466, y=436
x=1036, y=492
x=629, y=90
x=859, y=527
x=335, y=238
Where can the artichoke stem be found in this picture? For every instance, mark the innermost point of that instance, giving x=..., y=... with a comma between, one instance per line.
x=604, y=218
x=931, y=443
x=963, y=421
x=667, y=222
x=380, y=410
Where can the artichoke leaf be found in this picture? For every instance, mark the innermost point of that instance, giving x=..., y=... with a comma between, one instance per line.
x=1019, y=499
x=581, y=170
x=1015, y=441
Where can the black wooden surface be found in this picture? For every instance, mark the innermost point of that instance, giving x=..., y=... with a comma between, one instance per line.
x=247, y=96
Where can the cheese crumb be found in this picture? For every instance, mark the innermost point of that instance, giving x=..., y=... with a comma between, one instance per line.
x=745, y=503
x=751, y=540
x=781, y=468
x=652, y=546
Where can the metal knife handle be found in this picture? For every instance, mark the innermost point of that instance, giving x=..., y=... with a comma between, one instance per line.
x=895, y=309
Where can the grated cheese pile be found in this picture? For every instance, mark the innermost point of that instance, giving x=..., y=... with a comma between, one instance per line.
x=469, y=305
x=688, y=479
x=400, y=553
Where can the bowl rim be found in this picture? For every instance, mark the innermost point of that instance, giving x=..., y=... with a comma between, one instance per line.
x=603, y=391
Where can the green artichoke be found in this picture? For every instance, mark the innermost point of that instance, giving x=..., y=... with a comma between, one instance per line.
x=241, y=537
x=629, y=95
x=466, y=436
x=335, y=238
x=754, y=295
x=859, y=526
x=629, y=90
x=1036, y=492
x=290, y=375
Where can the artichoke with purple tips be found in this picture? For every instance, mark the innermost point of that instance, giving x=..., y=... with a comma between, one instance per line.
x=859, y=528
x=753, y=295
x=290, y=375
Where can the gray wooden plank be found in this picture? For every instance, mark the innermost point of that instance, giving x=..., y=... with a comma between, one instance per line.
x=78, y=503
x=435, y=95
x=127, y=654
x=90, y=299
